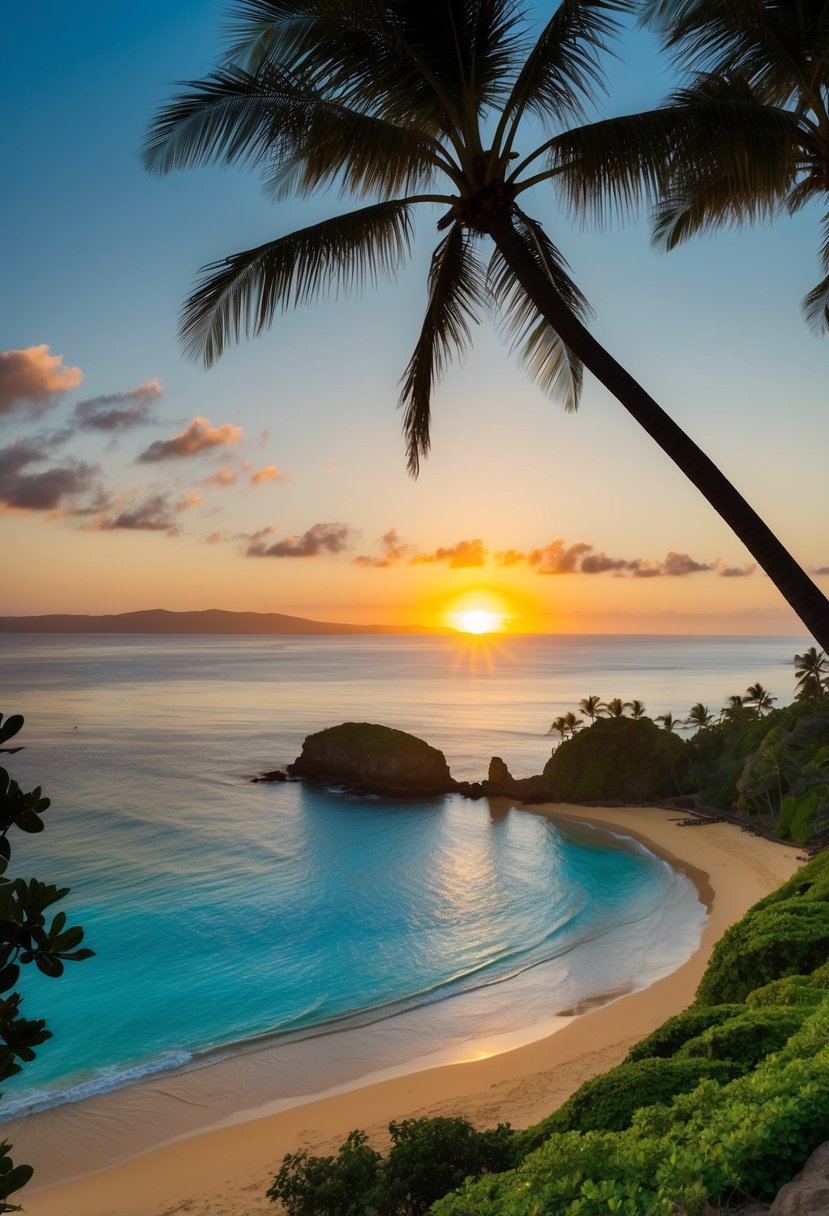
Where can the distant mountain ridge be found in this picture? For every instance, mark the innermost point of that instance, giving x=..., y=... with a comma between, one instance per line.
x=211, y=620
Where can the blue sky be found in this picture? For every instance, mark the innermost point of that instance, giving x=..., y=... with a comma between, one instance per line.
x=98, y=257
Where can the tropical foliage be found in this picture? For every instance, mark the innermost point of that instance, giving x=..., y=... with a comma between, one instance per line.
x=754, y=140
x=409, y=103
x=29, y=933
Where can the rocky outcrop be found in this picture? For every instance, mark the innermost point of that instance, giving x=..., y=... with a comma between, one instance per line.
x=366, y=758
x=369, y=758
x=808, y=1192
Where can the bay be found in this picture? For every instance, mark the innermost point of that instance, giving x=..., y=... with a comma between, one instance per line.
x=224, y=913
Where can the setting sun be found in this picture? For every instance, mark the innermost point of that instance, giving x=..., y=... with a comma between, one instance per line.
x=479, y=620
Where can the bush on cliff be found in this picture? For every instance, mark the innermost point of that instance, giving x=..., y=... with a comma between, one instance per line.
x=627, y=759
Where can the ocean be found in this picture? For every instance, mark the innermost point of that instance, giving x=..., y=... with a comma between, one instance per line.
x=227, y=915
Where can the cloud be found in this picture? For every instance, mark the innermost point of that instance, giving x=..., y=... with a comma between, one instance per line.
x=394, y=551
x=738, y=571
x=22, y=490
x=152, y=514
x=820, y=570
x=321, y=538
x=198, y=437
x=191, y=499
x=269, y=473
x=600, y=563
x=644, y=569
x=214, y=538
x=463, y=555
x=558, y=558
x=35, y=377
x=118, y=411
x=225, y=476
x=679, y=564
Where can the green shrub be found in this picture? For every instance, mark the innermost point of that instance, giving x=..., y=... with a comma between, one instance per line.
x=820, y=976
x=747, y=1038
x=792, y=990
x=327, y=1186
x=799, y=815
x=609, y=1102
x=671, y=1035
x=430, y=1157
x=427, y=1158
x=709, y=1147
x=775, y=940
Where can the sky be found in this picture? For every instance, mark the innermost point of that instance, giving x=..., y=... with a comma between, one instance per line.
x=133, y=478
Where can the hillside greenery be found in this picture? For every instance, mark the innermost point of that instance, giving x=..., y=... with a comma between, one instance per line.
x=721, y=1104
x=769, y=765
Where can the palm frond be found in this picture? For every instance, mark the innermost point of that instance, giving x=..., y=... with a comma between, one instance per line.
x=615, y=166
x=774, y=46
x=241, y=294
x=550, y=363
x=816, y=304
x=369, y=53
x=456, y=292
x=736, y=160
x=270, y=31
x=278, y=120
x=229, y=117
x=561, y=73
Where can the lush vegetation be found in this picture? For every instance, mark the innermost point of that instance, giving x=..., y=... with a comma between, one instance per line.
x=27, y=935
x=721, y=1103
x=770, y=765
x=427, y=1158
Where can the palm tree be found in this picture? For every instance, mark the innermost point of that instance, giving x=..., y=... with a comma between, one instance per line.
x=637, y=708
x=558, y=726
x=572, y=723
x=615, y=708
x=734, y=709
x=811, y=670
x=410, y=102
x=699, y=716
x=591, y=707
x=755, y=142
x=759, y=698
x=669, y=722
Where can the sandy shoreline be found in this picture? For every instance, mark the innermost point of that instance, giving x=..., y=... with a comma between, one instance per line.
x=225, y=1171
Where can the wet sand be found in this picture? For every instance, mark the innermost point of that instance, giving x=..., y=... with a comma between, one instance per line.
x=224, y=1171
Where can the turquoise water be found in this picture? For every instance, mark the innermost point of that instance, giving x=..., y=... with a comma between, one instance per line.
x=225, y=913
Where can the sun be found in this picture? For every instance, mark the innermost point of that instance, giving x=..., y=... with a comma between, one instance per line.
x=478, y=621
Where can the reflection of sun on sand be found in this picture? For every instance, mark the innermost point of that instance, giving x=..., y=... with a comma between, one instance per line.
x=224, y=1172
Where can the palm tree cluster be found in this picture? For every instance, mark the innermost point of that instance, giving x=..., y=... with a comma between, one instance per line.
x=812, y=676
x=811, y=671
x=413, y=104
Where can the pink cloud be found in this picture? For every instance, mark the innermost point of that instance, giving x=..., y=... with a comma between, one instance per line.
x=321, y=538
x=34, y=376
x=200, y=436
x=225, y=476
x=394, y=551
x=269, y=473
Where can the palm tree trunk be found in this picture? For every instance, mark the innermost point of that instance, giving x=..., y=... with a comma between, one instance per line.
x=791, y=581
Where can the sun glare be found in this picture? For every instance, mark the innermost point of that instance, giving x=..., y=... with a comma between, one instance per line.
x=479, y=620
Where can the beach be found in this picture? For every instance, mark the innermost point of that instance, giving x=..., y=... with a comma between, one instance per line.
x=224, y=1169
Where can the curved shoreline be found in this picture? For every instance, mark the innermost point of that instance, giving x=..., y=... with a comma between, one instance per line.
x=225, y=1170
